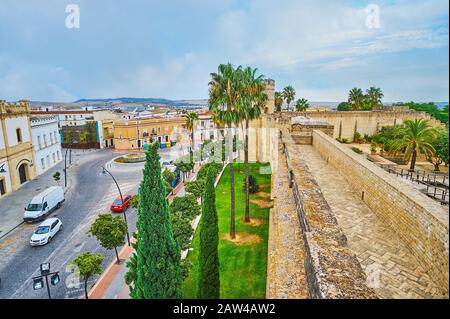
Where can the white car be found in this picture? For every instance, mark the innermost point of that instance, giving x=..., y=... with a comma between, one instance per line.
x=45, y=232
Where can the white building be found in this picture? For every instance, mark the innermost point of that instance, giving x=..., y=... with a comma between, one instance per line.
x=205, y=129
x=46, y=142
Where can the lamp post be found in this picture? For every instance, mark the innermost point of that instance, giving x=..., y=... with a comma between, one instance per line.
x=121, y=198
x=38, y=282
x=65, y=162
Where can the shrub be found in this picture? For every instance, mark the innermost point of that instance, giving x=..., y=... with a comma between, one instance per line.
x=357, y=150
x=182, y=230
x=168, y=175
x=373, y=146
x=186, y=205
x=357, y=137
x=253, y=184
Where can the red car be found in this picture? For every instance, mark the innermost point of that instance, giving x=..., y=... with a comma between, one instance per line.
x=117, y=205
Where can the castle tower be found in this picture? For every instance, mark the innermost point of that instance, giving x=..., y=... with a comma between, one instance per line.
x=270, y=91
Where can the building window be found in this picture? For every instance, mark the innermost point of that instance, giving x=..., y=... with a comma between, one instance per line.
x=19, y=135
x=59, y=155
x=42, y=163
x=48, y=160
x=45, y=140
x=2, y=187
x=39, y=141
x=54, y=158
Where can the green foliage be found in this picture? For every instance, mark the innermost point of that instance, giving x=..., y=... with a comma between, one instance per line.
x=186, y=266
x=373, y=146
x=289, y=94
x=416, y=137
x=215, y=167
x=182, y=229
x=186, y=205
x=110, y=231
x=88, y=265
x=343, y=106
x=209, y=280
x=278, y=101
x=86, y=137
x=253, y=184
x=134, y=202
x=357, y=150
x=168, y=175
x=57, y=177
x=440, y=114
x=301, y=105
x=157, y=271
x=441, y=145
x=357, y=137
x=195, y=188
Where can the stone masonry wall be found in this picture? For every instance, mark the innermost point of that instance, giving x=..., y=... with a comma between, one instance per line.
x=332, y=271
x=421, y=222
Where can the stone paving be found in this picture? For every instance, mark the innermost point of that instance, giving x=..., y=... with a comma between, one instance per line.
x=286, y=276
x=392, y=271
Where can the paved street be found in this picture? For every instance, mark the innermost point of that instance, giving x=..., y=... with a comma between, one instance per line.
x=91, y=194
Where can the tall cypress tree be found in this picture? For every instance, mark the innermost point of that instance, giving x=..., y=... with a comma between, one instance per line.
x=209, y=280
x=155, y=268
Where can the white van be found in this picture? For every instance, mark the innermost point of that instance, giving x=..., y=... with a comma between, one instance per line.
x=43, y=204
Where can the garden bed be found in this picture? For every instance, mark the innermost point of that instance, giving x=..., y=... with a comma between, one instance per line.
x=243, y=262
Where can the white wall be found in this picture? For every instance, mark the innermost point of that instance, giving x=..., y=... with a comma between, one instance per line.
x=4, y=166
x=50, y=154
x=2, y=138
x=14, y=123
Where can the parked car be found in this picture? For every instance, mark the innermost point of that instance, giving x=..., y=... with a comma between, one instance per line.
x=45, y=232
x=44, y=204
x=118, y=207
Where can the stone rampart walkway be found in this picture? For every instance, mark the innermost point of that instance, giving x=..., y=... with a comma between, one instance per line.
x=392, y=271
x=286, y=276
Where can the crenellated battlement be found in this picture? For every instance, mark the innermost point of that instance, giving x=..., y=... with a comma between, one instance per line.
x=14, y=108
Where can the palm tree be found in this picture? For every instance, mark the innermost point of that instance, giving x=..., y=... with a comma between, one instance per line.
x=289, y=95
x=253, y=99
x=190, y=125
x=301, y=105
x=278, y=101
x=224, y=100
x=374, y=95
x=416, y=139
x=356, y=99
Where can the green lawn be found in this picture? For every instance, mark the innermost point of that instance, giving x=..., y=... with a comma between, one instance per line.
x=243, y=267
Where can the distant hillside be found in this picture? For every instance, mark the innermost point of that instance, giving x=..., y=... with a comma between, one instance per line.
x=133, y=100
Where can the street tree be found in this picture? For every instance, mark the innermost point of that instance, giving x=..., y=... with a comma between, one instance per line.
x=154, y=269
x=57, y=177
x=110, y=231
x=209, y=279
x=88, y=265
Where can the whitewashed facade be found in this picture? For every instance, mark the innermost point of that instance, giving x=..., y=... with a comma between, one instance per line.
x=46, y=142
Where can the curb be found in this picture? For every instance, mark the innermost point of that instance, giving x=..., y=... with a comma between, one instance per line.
x=98, y=289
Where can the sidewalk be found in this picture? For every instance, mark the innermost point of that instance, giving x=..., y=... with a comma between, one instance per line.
x=111, y=284
x=12, y=205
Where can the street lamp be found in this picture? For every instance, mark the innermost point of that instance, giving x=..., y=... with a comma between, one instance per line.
x=38, y=282
x=121, y=198
x=65, y=162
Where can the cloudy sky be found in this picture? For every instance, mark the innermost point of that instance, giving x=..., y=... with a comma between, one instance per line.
x=142, y=48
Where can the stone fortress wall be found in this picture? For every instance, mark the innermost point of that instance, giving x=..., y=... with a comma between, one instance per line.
x=420, y=221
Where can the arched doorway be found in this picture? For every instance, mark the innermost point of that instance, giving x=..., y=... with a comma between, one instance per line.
x=23, y=173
